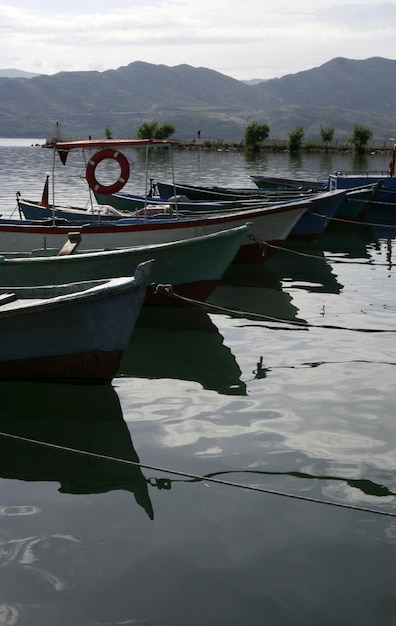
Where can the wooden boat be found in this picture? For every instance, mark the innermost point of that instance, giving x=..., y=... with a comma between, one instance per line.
x=205, y=201
x=195, y=193
x=121, y=206
x=269, y=224
x=69, y=333
x=311, y=224
x=75, y=428
x=353, y=206
x=324, y=207
x=203, y=193
x=384, y=186
x=383, y=183
x=195, y=198
x=271, y=183
x=192, y=266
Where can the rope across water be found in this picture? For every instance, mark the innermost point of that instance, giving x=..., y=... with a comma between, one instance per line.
x=196, y=477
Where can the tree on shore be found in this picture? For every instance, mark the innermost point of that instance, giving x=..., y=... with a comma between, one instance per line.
x=151, y=130
x=360, y=136
x=254, y=134
x=296, y=136
x=326, y=135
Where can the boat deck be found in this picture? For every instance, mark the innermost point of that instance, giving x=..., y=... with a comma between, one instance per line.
x=10, y=301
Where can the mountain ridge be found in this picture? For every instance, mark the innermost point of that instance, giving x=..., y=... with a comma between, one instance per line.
x=12, y=72
x=340, y=93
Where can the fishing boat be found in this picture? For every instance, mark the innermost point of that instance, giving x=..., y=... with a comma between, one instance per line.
x=311, y=224
x=323, y=207
x=192, y=267
x=383, y=182
x=203, y=193
x=74, y=332
x=121, y=206
x=216, y=193
x=353, y=206
x=362, y=189
x=269, y=224
x=384, y=186
x=272, y=183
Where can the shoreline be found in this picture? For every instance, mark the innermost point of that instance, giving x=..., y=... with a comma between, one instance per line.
x=230, y=145
x=276, y=146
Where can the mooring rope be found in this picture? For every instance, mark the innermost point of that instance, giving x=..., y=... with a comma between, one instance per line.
x=325, y=259
x=195, y=477
x=303, y=325
x=342, y=220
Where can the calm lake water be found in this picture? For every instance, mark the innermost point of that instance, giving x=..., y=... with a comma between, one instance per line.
x=302, y=418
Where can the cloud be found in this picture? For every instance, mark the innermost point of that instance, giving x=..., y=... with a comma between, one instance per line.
x=244, y=40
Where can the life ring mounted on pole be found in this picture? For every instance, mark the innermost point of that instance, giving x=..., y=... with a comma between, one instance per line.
x=98, y=157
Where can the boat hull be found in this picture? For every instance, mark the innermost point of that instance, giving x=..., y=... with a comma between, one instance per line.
x=271, y=183
x=315, y=220
x=268, y=225
x=190, y=268
x=215, y=194
x=78, y=337
x=384, y=191
x=88, y=366
x=355, y=204
x=325, y=204
x=128, y=202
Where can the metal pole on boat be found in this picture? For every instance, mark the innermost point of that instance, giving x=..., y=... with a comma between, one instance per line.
x=173, y=181
x=53, y=188
x=146, y=183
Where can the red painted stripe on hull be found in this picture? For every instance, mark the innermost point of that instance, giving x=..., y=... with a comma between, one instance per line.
x=95, y=367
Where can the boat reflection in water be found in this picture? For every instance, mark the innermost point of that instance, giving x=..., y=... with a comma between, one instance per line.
x=255, y=291
x=304, y=267
x=69, y=416
x=181, y=343
x=350, y=240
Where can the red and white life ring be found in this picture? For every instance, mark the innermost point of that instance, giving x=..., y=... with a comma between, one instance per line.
x=94, y=161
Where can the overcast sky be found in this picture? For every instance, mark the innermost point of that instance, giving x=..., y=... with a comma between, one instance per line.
x=240, y=38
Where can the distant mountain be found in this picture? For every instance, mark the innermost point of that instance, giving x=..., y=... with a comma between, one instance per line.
x=254, y=81
x=340, y=93
x=14, y=73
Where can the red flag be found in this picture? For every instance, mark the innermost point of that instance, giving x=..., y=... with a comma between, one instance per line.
x=44, y=197
x=392, y=162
